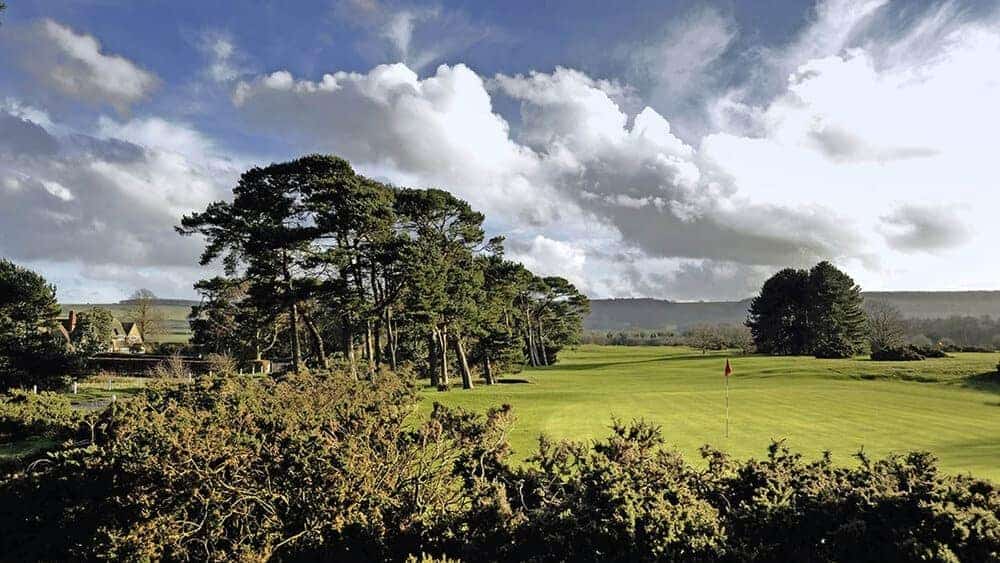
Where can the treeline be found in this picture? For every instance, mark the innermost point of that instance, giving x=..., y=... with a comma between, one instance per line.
x=703, y=337
x=323, y=264
x=313, y=467
x=954, y=332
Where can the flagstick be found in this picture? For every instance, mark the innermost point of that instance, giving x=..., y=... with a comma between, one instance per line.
x=727, y=406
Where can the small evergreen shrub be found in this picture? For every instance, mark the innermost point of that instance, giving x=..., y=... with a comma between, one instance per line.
x=901, y=354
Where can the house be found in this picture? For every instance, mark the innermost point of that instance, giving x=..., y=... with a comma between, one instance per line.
x=125, y=336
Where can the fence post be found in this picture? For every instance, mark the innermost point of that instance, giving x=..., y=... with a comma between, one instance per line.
x=75, y=387
x=34, y=389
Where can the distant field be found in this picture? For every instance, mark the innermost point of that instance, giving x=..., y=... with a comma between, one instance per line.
x=177, y=329
x=949, y=406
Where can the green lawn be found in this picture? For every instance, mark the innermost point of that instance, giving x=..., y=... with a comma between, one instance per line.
x=949, y=406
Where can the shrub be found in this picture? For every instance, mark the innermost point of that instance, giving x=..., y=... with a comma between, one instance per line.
x=900, y=354
x=24, y=414
x=171, y=368
x=318, y=467
x=623, y=499
x=907, y=353
x=222, y=364
x=930, y=351
x=311, y=466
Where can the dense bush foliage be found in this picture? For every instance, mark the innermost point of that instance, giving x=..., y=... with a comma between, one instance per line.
x=24, y=414
x=318, y=467
x=898, y=354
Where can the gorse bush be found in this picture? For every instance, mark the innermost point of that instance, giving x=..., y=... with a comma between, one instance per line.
x=898, y=354
x=24, y=414
x=318, y=467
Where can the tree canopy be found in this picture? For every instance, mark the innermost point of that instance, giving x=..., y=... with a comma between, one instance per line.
x=323, y=264
x=818, y=312
x=32, y=352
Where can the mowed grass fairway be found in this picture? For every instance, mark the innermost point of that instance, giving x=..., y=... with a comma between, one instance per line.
x=948, y=406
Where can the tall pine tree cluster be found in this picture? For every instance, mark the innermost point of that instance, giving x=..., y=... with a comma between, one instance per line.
x=817, y=312
x=323, y=264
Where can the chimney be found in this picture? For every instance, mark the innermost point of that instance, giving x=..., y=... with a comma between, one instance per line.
x=72, y=320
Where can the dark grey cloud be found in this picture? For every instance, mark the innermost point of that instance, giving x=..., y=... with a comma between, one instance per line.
x=94, y=201
x=697, y=280
x=924, y=228
x=649, y=203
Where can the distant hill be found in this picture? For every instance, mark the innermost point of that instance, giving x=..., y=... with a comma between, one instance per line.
x=163, y=302
x=644, y=313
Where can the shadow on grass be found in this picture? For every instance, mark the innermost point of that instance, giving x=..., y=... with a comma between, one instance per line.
x=896, y=376
x=600, y=365
x=989, y=381
x=16, y=454
x=510, y=381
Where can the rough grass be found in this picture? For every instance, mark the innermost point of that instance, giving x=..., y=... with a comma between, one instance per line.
x=948, y=406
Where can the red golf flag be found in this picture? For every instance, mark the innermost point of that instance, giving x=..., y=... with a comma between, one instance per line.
x=729, y=369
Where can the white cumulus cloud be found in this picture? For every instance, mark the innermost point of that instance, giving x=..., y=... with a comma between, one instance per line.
x=76, y=65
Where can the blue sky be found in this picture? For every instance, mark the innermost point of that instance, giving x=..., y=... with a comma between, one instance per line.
x=681, y=150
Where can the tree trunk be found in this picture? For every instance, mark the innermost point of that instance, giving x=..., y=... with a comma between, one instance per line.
x=488, y=371
x=349, y=348
x=531, y=346
x=443, y=349
x=390, y=333
x=541, y=344
x=370, y=346
x=533, y=359
x=463, y=362
x=432, y=358
x=317, y=339
x=377, y=339
x=293, y=314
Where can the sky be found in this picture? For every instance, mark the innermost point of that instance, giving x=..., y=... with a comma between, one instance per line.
x=676, y=150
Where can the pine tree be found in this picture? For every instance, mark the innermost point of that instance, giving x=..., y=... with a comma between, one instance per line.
x=836, y=311
x=778, y=317
x=31, y=350
x=817, y=312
